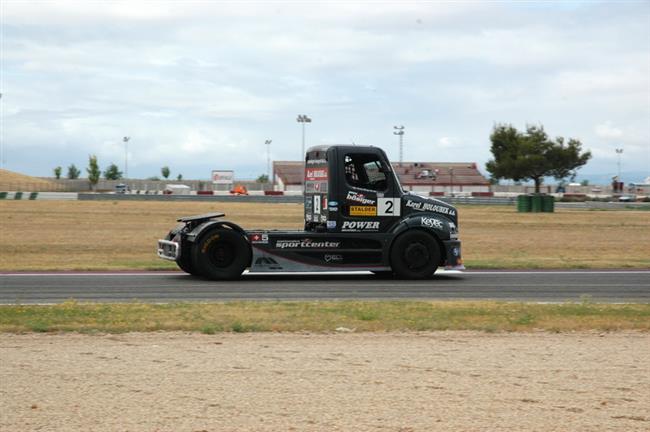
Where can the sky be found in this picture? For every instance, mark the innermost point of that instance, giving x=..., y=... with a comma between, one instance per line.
x=200, y=85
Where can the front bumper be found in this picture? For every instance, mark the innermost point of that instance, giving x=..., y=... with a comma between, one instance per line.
x=169, y=250
x=454, y=259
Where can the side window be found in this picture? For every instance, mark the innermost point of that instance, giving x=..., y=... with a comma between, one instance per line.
x=365, y=171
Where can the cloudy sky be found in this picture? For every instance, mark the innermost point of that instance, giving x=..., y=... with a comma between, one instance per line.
x=200, y=85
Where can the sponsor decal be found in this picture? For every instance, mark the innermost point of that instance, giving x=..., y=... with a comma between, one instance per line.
x=455, y=251
x=259, y=238
x=360, y=226
x=360, y=198
x=331, y=224
x=363, y=211
x=431, y=223
x=332, y=208
x=305, y=244
x=267, y=262
x=308, y=217
x=435, y=208
x=315, y=187
x=316, y=174
x=317, y=204
x=333, y=258
x=316, y=161
x=453, y=231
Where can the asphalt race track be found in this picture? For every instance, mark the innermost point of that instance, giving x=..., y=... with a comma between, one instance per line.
x=163, y=287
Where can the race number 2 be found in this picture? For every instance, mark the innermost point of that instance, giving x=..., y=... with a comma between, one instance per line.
x=388, y=206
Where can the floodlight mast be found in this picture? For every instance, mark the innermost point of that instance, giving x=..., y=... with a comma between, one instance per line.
x=126, y=156
x=619, y=151
x=302, y=118
x=268, y=160
x=399, y=131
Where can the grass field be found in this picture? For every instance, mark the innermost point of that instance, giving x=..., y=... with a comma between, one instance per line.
x=79, y=235
x=323, y=317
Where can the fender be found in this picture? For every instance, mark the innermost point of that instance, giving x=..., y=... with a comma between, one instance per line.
x=437, y=225
x=196, y=233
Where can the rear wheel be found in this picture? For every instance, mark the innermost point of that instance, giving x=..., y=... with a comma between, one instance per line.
x=221, y=254
x=415, y=255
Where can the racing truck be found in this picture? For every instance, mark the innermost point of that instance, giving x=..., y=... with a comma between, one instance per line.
x=357, y=217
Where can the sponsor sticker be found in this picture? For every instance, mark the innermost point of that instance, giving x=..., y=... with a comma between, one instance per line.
x=363, y=211
x=431, y=223
x=360, y=226
x=316, y=161
x=331, y=224
x=267, y=262
x=425, y=206
x=360, y=198
x=259, y=238
x=306, y=244
x=316, y=174
x=332, y=258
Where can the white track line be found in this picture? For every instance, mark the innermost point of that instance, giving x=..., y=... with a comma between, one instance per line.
x=178, y=273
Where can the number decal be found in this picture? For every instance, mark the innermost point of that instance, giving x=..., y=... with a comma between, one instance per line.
x=388, y=206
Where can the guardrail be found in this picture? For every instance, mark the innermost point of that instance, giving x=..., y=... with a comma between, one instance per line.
x=200, y=198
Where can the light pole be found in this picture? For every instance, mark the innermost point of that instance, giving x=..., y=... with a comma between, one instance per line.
x=268, y=160
x=399, y=130
x=303, y=119
x=619, y=151
x=126, y=156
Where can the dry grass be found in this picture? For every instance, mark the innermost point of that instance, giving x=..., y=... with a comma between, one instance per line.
x=80, y=235
x=323, y=317
x=11, y=181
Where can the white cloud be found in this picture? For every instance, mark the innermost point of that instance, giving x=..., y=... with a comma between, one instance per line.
x=607, y=131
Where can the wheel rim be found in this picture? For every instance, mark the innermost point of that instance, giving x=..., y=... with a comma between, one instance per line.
x=416, y=256
x=221, y=254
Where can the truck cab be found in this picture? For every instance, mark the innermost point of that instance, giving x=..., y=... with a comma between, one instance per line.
x=356, y=217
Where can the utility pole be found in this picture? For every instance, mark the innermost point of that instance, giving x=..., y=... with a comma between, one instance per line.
x=399, y=131
x=268, y=161
x=2, y=140
x=126, y=156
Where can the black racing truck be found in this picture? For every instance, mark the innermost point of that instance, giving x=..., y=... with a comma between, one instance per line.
x=357, y=217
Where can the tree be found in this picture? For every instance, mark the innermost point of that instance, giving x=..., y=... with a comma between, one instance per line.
x=112, y=172
x=165, y=172
x=57, y=172
x=93, y=171
x=263, y=179
x=73, y=172
x=531, y=155
x=179, y=177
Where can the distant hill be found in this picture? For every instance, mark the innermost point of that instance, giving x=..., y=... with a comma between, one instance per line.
x=12, y=181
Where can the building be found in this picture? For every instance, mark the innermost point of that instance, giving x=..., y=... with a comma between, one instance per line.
x=436, y=178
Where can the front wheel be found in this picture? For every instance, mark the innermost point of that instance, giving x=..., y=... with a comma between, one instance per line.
x=221, y=254
x=415, y=255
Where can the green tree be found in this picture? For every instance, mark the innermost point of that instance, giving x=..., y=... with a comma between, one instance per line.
x=93, y=171
x=112, y=172
x=531, y=155
x=57, y=172
x=73, y=172
x=179, y=177
x=263, y=179
x=165, y=172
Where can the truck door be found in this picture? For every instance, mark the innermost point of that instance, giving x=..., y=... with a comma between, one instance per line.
x=370, y=199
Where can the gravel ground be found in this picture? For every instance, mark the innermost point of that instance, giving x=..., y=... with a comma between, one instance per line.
x=461, y=381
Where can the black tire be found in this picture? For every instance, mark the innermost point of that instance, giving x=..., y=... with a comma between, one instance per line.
x=415, y=255
x=221, y=254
